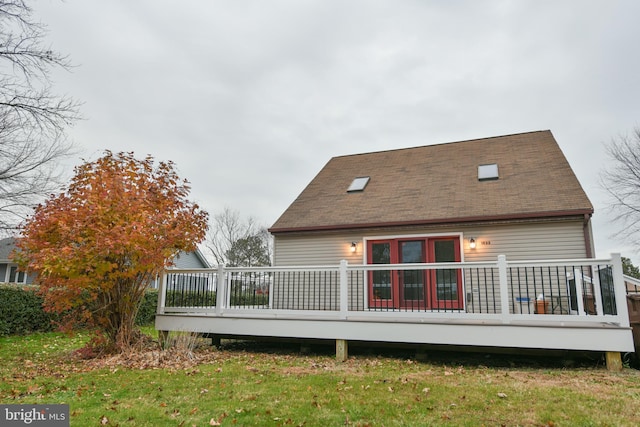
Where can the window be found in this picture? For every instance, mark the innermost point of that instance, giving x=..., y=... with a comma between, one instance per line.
x=420, y=288
x=358, y=184
x=16, y=276
x=488, y=172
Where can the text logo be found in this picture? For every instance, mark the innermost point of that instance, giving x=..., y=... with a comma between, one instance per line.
x=34, y=415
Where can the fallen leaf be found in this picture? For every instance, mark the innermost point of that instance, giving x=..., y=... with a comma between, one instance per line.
x=213, y=422
x=502, y=395
x=426, y=390
x=104, y=420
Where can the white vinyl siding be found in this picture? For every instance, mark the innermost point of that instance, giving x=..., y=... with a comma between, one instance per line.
x=188, y=260
x=527, y=241
x=557, y=240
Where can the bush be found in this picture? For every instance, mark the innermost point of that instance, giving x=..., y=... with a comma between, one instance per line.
x=21, y=311
x=148, y=307
x=188, y=298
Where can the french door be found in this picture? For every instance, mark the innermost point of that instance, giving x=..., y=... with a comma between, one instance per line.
x=415, y=289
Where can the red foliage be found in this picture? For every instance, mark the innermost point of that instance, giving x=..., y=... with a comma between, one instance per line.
x=98, y=245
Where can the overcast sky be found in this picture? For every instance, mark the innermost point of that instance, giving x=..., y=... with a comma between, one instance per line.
x=251, y=98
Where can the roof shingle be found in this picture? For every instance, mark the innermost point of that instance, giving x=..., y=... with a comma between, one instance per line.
x=439, y=184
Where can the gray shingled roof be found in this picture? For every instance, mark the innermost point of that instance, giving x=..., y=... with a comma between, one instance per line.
x=6, y=246
x=439, y=184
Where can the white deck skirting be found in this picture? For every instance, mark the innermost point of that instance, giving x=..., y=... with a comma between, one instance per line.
x=490, y=333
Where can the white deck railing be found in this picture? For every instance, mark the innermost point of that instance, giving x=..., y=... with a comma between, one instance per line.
x=577, y=290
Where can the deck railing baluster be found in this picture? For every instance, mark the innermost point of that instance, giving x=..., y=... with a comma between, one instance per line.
x=482, y=292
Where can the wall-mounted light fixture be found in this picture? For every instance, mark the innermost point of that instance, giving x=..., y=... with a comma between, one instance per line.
x=472, y=243
x=354, y=246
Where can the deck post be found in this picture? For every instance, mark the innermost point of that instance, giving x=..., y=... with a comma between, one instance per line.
x=597, y=292
x=344, y=289
x=614, y=361
x=221, y=287
x=504, y=288
x=620, y=290
x=342, y=350
x=577, y=277
x=216, y=341
x=162, y=293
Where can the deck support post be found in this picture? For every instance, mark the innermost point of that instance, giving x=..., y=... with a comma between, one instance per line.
x=215, y=341
x=614, y=361
x=342, y=350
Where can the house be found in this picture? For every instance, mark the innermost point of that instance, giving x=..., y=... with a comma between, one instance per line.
x=463, y=243
x=465, y=201
x=194, y=259
x=514, y=195
x=189, y=260
x=9, y=272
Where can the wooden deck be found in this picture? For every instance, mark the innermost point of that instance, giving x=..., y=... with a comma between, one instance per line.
x=583, y=306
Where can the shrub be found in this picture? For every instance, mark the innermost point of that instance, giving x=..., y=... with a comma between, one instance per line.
x=188, y=298
x=148, y=307
x=21, y=311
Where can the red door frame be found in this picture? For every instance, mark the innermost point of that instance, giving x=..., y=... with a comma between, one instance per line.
x=393, y=259
x=430, y=290
x=435, y=302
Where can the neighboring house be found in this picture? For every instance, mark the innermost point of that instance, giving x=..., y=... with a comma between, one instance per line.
x=189, y=260
x=193, y=259
x=9, y=272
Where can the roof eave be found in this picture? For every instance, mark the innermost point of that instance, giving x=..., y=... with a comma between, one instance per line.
x=439, y=221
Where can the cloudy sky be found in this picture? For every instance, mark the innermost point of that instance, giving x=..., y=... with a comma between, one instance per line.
x=251, y=98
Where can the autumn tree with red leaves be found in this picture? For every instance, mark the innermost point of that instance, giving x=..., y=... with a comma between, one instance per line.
x=97, y=246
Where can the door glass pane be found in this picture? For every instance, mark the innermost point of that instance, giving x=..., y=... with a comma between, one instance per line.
x=412, y=280
x=381, y=254
x=446, y=280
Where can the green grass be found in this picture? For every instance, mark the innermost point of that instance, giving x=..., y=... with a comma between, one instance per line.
x=275, y=385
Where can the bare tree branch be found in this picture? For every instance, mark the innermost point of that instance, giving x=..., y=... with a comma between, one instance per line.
x=622, y=183
x=33, y=120
x=227, y=229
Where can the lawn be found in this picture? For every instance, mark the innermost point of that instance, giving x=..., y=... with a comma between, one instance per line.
x=276, y=385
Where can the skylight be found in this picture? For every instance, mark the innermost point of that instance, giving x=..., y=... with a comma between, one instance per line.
x=358, y=184
x=488, y=172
